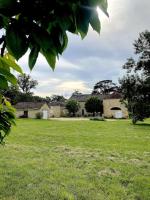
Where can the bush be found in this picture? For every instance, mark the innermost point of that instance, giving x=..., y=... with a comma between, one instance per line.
x=72, y=106
x=39, y=115
x=22, y=116
x=97, y=119
x=94, y=105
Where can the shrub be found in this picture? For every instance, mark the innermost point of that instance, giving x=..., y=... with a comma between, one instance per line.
x=72, y=106
x=94, y=105
x=97, y=119
x=39, y=115
x=22, y=116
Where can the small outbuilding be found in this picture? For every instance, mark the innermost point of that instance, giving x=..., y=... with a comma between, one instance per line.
x=32, y=109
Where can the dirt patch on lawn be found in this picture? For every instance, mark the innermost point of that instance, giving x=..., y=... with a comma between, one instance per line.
x=108, y=172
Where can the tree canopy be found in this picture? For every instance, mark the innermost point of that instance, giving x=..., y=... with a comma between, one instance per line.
x=105, y=87
x=26, y=83
x=57, y=98
x=135, y=85
x=94, y=105
x=72, y=106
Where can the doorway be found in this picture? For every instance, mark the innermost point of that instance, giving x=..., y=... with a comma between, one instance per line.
x=45, y=114
x=25, y=114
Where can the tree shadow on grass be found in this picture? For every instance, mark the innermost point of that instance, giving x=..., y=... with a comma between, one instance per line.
x=143, y=125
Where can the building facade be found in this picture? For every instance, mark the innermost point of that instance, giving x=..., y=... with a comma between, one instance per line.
x=112, y=107
x=31, y=109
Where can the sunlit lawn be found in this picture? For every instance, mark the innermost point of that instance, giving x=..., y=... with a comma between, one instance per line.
x=76, y=160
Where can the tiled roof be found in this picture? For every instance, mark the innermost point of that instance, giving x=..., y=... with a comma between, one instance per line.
x=29, y=105
x=56, y=104
x=115, y=95
x=84, y=97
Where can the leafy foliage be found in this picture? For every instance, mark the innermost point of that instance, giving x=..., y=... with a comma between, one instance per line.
x=136, y=96
x=39, y=115
x=7, y=63
x=97, y=119
x=57, y=98
x=7, y=118
x=142, y=48
x=41, y=26
x=76, y=92
x=105, y=87
x=12, y=93
x=45, y=30
x=94, y=105
x=7, y=113
x=72, y=106
x=135, y=86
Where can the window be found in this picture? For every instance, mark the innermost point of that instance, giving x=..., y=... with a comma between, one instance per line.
x=115, y=108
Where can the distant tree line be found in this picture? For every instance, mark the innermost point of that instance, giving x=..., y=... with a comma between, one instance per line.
x=22, y=92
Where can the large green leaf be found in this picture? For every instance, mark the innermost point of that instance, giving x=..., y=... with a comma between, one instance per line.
x=42, y=38
x=60, y=39
x=3, y=82
x=4, y=21
x=95, y=22
x=103, y=4
x=4, y=64
x=50, y=57
x=16, y=41
x=33, y=56
x=11, y=62
x=65, y=41
x=9, y=77
x=7, y=118
x=83, y=19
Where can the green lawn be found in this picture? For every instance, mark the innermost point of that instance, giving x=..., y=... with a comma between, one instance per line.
x=76, y=160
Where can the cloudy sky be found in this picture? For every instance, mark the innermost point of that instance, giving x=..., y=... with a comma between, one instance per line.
x=96, y=57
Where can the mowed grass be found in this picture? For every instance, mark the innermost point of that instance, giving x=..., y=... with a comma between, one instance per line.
x=76, y=160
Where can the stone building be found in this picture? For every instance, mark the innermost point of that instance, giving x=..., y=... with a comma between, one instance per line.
x=112, y=106
x=82, y=98
x=30, y=109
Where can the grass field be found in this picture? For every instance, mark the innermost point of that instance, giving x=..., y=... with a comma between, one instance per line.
x=76, y=160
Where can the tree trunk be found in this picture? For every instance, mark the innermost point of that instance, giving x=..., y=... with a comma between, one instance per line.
x=134, y=120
